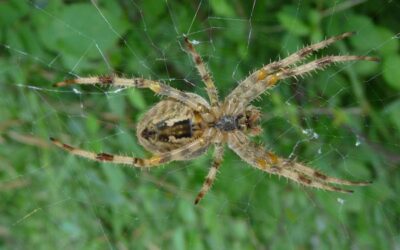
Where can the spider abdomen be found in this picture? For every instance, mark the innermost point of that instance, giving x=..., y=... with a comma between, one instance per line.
x=169, y=125
x=178, y=130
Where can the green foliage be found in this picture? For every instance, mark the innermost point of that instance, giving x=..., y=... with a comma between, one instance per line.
x=344, y=121
x=391, y=71
x=292, y=24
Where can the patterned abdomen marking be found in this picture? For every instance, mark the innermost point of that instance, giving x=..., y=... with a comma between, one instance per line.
x=168, y=126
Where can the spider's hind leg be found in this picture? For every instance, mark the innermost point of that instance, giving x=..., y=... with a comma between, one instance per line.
x=212, y=173
x=314, y=174
x=198, y=145
x=269, y=162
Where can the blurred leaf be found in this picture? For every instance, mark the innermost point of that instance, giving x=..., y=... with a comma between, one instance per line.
x=92, y=124
x=83, y=38
x=222, y=8
x=136, y=98
x=11, y=11
x=389, y=43
x=391, y=72
x=291, y=43
x=117, y=104
x=239, y=230
x=151, y=10
x=367, y=68
x=393, y=112
x=314, y=17
x=116, y=181
x=293, y=24
x=367, y=37
x=187, y=213
x=179, y=239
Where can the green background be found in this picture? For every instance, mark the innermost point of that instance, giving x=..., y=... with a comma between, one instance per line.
x=344, y=121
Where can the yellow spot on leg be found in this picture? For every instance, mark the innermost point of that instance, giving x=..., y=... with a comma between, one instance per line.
x=155, y=87
x=274, y=158
x=154, y=160
x=262, y=163
x=261, y=75
x=274, y=79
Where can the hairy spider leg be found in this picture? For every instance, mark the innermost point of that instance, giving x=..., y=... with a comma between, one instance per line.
x=267, y=77
x=204, y=73
x=266, y=161
x=270, y=81
x=198, y=145
x=155, y=86
x=212, y=173
x=285, y=62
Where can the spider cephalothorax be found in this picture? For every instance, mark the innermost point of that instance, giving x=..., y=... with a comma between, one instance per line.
x=244, y=121
x=184, y=125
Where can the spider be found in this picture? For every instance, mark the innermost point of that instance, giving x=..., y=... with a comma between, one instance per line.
x=184, y=125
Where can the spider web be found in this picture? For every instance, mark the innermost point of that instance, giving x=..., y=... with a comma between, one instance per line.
x=342, y=121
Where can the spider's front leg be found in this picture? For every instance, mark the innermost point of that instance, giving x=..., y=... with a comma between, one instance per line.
x=266, y=77
x=265, y=81
x=204, y=73
x=320, y=63
x=269, y=162
x=155, y=86
x=198, y=145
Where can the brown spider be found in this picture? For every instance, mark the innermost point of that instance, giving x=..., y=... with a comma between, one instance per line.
x=182, y=126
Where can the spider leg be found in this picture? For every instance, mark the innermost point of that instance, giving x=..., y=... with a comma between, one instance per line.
x=204, y=73
x=304, y=53
x=322, y=177
x=291, y=59
x=320, y=63
x=266, y=77
x=218, y=154
x=269, y=162
x=198, y=145
x=268, y=81
x=155, y=86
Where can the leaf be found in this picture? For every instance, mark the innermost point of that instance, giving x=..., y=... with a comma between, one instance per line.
x=368, y=36
x=11, y=11
x=392, y=112
x=92, y=124
x=389, y=43
x=222, y=8
x=391, y=71
x=88, y=39
x=135, y=97
x=178, y=239
x=293, y=24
